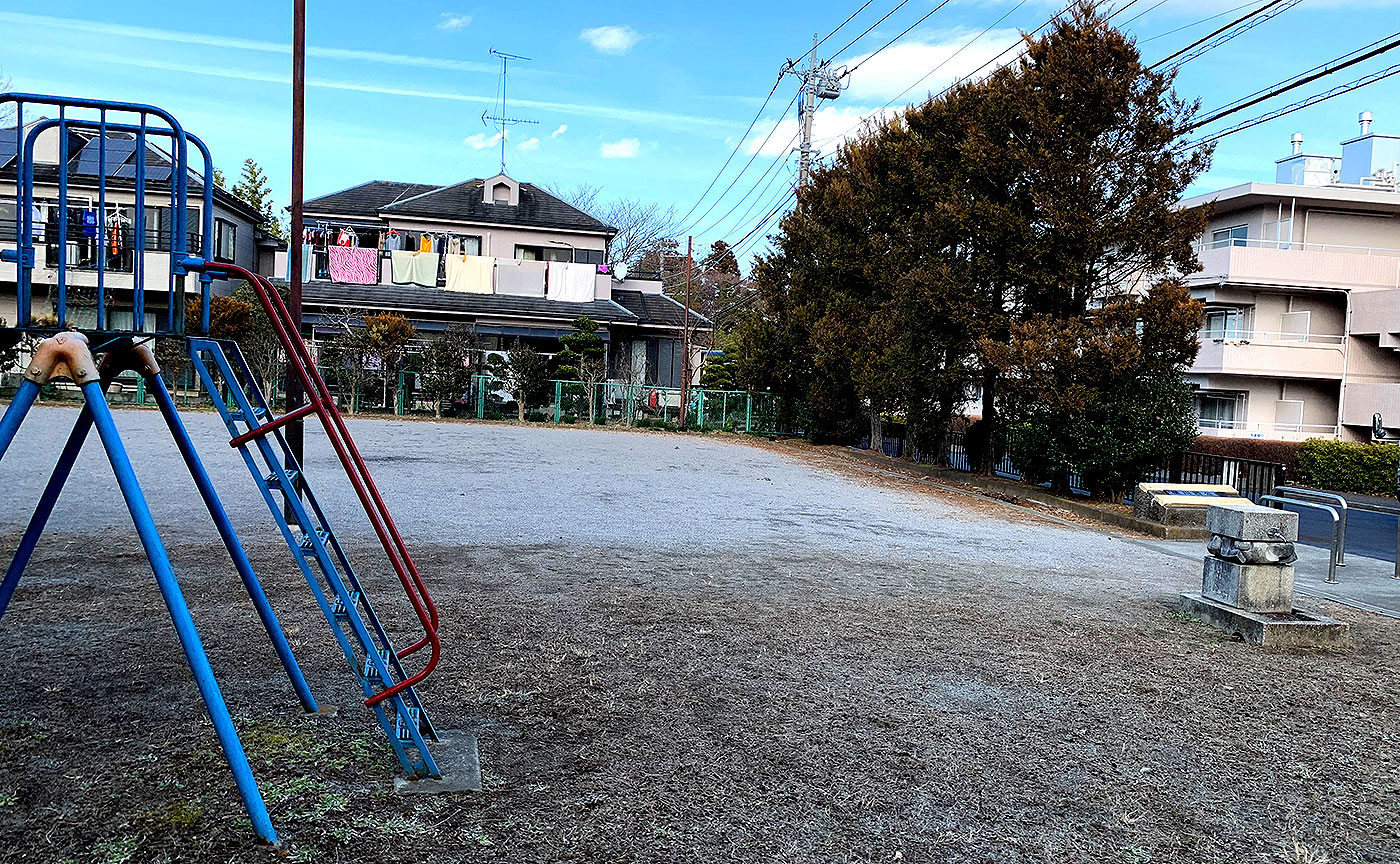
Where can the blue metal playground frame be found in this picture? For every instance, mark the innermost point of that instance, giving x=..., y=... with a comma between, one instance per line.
x=69, y=354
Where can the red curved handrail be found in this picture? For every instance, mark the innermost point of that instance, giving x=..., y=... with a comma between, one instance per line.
x=319, y=396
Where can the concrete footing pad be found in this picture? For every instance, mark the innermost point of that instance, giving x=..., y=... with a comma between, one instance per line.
x=458, y=760
x=1296, y=629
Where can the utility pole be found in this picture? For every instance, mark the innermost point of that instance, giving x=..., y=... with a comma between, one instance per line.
x=685, y=333
x=819, y=81
x=807, y=105
x=294, y=429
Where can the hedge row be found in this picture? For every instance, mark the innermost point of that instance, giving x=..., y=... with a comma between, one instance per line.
x=1283, y=452
x=1342, y=467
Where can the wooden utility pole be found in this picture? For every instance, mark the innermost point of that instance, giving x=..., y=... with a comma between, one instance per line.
x=294, y=430
x=685, y=333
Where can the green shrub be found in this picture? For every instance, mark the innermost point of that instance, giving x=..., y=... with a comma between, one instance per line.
x=599, y=420
x=1344, y=467
x=569, y=420
x=535, y=417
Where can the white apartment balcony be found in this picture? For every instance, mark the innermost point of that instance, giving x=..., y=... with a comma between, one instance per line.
x=1271, y=431
x=1274, y=355
x=1301, y=265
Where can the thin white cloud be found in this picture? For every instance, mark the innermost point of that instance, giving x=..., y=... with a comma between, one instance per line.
x=563, y=127
x=529, y=145
x=612, y=39
x=481, y=140
x=451, y=21
x=627, y=148
x=210, y=40
x=654, y=118
x=885, y=75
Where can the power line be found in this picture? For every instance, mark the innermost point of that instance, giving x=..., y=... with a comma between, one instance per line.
x=905, y=32
x=1339, y=90
x=1225, y=33
x=737, y=145
x=866, y=31
x=735, y=180
x=1153, y=8
x=1195, y=23
x=1329, y=68
x=848, y=20
x=745, y=196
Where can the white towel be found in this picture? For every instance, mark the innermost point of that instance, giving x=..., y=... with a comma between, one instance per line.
x=579, y=284
x=520, y=278
x=470, y=274
x=400, y=266
x=424, y=268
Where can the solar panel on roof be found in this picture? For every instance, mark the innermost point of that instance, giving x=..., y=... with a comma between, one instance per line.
x=119, y=150
x=153, y=172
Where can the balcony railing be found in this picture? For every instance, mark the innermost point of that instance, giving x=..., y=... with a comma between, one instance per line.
x=1269, y=337
x=1293, y=246
x=1244, y=428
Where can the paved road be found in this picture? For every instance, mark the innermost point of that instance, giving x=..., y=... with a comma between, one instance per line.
x=1368, y=533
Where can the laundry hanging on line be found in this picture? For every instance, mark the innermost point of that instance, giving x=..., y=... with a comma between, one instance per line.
x=354, y=265
x=471, y=274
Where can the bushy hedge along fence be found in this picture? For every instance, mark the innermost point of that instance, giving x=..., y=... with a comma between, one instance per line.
x=1368, y=469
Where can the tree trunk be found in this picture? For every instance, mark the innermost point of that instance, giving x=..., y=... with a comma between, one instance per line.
x=989, y=418
x=520, y=407
x=877, y=432
x=437, y=408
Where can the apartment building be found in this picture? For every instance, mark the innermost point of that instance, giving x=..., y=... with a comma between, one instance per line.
x=109, y=237
x=1301, y=283
x=516, y=262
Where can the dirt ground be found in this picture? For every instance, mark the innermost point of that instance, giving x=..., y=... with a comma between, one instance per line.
x=678, y=649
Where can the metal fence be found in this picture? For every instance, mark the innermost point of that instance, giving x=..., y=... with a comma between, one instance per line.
x=1251, y=478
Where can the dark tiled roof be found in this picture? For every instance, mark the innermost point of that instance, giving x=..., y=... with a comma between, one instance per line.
x=657, y=309
x=410, y=297
x=367, y=199
x=537, y=208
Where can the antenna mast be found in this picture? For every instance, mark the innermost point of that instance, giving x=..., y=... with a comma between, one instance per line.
x=503, y=120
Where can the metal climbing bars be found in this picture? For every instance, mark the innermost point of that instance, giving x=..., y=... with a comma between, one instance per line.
x=112, y=146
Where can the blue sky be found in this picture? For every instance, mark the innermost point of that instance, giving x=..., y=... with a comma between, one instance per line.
x=645, y=100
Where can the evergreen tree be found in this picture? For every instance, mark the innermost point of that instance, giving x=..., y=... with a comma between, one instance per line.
x=254, y=188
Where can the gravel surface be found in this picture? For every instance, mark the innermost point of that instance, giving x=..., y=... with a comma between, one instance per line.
x=676, y=648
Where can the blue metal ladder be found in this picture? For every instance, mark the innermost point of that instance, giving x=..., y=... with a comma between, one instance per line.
x=318, y=553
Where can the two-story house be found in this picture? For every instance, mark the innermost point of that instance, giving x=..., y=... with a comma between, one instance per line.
x=108, y=237
x=1301, y=282
x=516, y=262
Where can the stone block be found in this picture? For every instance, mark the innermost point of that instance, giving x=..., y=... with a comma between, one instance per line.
x=1179, y=504
x=1253, y=587
x=1246, y=521
x=1293, y=629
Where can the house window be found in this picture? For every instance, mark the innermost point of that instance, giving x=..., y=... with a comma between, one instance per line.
x=1216, y=411
x=500, y=193
x=225, y=240
x=588, y=256
x=543, y=253
x=1224, y=324
x=1232, y=236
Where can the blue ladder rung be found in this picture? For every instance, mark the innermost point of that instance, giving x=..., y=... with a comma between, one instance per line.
x=401, y=729
x=274, y=481
x=238, y=415
x=308, y=545
x=371, y=672
x=341, y=611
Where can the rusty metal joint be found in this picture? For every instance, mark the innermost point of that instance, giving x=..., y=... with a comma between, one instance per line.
x=65, y=355
x=136, y=357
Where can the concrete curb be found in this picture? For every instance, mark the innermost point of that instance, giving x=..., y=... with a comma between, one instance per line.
x=999, y=488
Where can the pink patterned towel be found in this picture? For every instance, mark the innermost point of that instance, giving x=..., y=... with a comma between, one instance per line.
x=355, y=265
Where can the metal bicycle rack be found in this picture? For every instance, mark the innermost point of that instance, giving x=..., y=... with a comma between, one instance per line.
x=67, y=353
x=1337, y=528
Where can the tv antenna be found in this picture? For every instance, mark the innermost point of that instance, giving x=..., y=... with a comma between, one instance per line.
x=504, y=121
